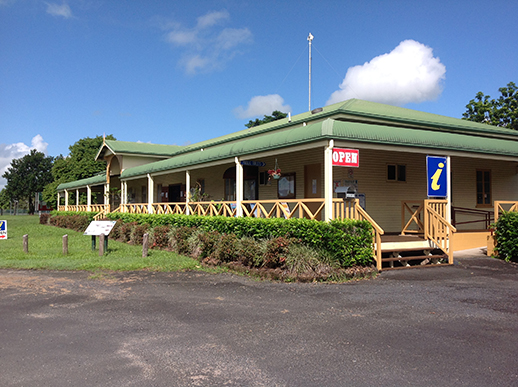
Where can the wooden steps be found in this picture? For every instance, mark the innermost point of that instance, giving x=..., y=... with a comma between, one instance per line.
x=403, y=252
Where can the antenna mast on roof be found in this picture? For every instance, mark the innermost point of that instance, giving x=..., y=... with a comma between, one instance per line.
x=310, y=38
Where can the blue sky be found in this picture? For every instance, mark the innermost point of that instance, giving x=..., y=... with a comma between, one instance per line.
x=172, y=72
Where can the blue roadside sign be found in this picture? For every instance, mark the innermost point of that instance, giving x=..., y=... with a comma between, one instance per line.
x=3, y=229
x=437, y=178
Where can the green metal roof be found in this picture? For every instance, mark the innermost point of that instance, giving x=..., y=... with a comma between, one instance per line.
x=337, y=130
x=359, y=110
x=352, y=120
x=138, y=148
x=411, y=117
x=95, y=180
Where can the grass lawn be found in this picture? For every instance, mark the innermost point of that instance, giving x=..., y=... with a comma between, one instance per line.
x=46, y=251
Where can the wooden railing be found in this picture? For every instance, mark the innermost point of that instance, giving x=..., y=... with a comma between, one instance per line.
x=414, y=225
x=436, y=228
x=501, y=206
x=288, y=209
x=360, y=214
x=103, y=210
x=84, y=207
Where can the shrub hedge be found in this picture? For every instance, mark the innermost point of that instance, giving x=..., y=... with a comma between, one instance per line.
x=295, y=249
x=349, y=241
x=507, y=236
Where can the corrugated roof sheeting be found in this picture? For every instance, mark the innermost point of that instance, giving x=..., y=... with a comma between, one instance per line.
x=338, y=130
x=252, y=145
x=95, y=180
x=423, y=138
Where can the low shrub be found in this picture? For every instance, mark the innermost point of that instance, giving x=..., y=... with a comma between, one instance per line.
x=276, y=252
x=137, y=233
x=116, y=230
x=251, y=252
x=125, y=231
x=76, y=221
x=208, y=243
x=295, y=249
x=348, y=241
x=507, y=237
x=160, y=237
x=227, y=248
x=44, y=218
x=180, y=236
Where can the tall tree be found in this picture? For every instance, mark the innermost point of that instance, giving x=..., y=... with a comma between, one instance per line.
x=499, y=112
x=276, y=115
x=79, y=164
x=27, y=176
x=4, y=201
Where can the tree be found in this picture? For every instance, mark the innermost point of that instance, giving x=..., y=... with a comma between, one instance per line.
x=4, y=201
x=79, y=164
x=27, y=176
x=501, y=112
x=276, y=115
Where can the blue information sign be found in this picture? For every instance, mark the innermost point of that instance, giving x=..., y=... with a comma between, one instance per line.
x=252, y=163
x=3, y=229
x=436, y=172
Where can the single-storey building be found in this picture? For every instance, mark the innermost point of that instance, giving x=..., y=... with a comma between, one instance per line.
x=354, y=159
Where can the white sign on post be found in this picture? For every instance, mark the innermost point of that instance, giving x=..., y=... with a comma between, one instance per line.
x=98, y=227
x=3, y=229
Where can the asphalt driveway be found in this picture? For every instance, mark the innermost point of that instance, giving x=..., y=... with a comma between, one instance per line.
x=447, y=326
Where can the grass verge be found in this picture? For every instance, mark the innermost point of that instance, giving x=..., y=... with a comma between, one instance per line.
x=46, y=251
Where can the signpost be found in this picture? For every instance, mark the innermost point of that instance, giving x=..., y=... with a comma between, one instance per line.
x=3, y=229
x=437, y=176
x=98, y=228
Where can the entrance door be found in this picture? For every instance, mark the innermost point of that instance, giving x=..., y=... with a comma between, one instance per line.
x=175, y=193
x=312, y=181
x=313, y=184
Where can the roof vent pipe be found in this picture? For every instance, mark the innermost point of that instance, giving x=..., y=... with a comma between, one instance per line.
x=289, y=116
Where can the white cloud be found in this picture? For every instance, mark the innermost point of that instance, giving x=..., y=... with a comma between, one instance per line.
x=262, y=105
x=409, y=73
x=207, y=46
x=62, y=10
x=212, y=18
x=8, y=152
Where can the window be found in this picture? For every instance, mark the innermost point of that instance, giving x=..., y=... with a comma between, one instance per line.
x=396, y=172
x=483, y=187
x=286, y=186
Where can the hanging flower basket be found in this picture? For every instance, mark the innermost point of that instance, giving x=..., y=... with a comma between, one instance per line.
x=275, y=173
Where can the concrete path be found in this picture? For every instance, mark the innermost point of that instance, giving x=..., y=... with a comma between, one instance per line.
x=445, y=326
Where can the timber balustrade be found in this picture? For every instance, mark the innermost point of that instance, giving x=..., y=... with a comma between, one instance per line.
x=428, y=218
x=84, y=208
x=437, y=228
x=501, y=206
x=414, y=225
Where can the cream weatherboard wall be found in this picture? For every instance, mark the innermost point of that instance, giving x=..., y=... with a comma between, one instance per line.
x=504, y=185
x=293, y=162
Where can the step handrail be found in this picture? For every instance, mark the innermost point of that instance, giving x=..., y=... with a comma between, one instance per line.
x=438, y=230
x=361, y=214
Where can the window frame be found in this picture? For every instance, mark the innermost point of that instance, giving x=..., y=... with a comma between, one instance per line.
x=292, y=194
x=397, y=173
x=483, y=192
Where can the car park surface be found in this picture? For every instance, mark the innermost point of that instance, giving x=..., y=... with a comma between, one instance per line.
x=444, y=326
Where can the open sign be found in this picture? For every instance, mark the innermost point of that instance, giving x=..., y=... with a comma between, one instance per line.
x=346, y=157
